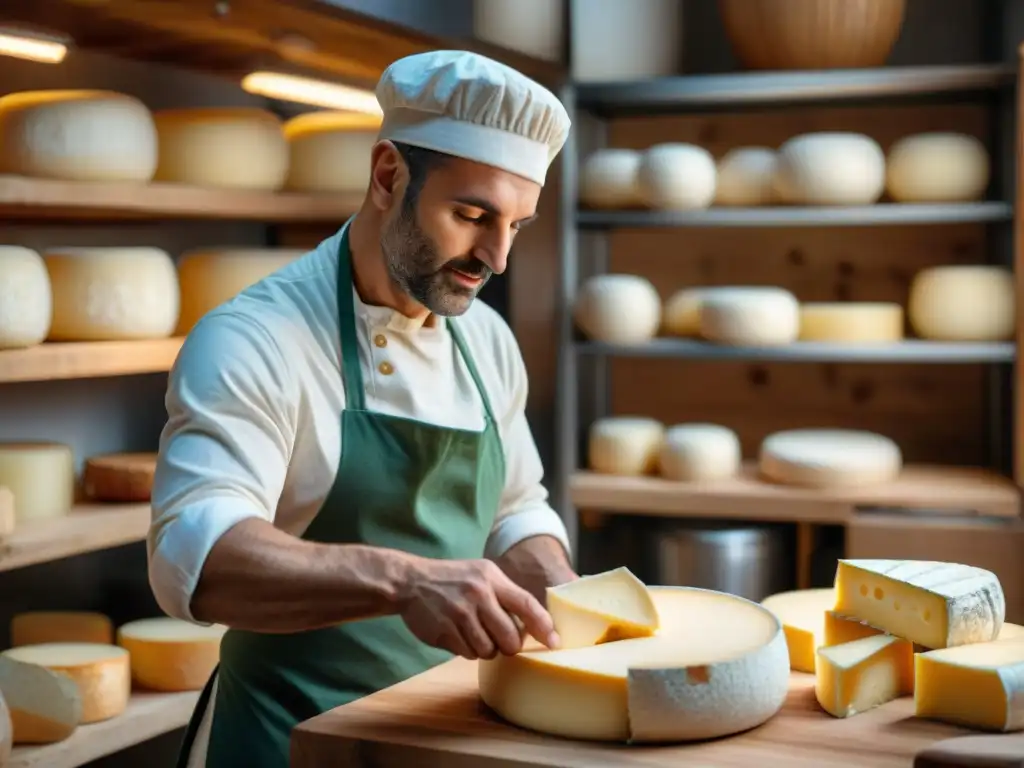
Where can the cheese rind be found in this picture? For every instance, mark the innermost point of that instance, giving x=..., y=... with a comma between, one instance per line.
x=601, y=608
x=330, y=151
x=26, y=300
x=854, y=677
x=169, y=654
x=829, y=458
x=45, y=706
x=625, y=445
x=42, y=478
x=933, y=604
x=802, y=613
x=851, y=322
x=40, y=627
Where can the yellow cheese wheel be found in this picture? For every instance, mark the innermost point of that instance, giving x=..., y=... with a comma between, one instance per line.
x=964, y=302
x=851, y=322
x=330, y=151
x=171, y=655
x=42, y=478
x=119, y=477
x=39, y=627
x=45, y=706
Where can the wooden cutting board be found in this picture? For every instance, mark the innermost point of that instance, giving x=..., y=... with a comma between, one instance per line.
x=436, y=719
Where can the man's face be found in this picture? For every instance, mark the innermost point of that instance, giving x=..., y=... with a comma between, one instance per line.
x=445, y=247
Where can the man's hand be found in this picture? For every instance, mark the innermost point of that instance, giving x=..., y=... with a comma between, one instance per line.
x=536, y=564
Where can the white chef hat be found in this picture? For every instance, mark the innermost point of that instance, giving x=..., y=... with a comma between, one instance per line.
x=467, y=105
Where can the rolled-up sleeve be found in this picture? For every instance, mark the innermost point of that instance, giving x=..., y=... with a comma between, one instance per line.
x=224, y=451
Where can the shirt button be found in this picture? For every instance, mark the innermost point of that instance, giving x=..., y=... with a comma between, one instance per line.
x=380, y=340
x=386, y=368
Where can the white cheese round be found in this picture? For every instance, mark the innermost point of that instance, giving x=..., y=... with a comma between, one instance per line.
x=26, y=303
x=330, y=151
x=625, y=445
x=745, y=177
x=41, y=476
x=77, y=135
x=829, y=458
x=696, y=452
x=937, y=168
x=618, y=309
x=750, y=316
x=608, y=179
x=681, y=315
x=963, y=303
x=677, y=177
x=830, y=168
x=853, y=322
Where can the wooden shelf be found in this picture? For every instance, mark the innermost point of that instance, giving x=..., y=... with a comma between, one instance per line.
x=88, y=528
x=148, y=715
x=954, y=490
x=88, y=359
x=29, y=198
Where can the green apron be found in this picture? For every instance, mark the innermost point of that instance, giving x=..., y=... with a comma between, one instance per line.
x=403, y=484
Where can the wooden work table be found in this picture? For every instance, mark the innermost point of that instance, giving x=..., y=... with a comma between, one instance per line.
x=436, y=719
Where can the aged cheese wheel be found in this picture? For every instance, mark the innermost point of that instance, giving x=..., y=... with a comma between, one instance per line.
x=26, y=303
x=681, y=314
x=40, y=627
x=330, y=151
x=750, y=316
x=618, y=309
x=625, y=445
x=829, y=458
x=680, y=684
x=608, y=179
x=695, y=452
x=745, y=177
x=119, y=477
x=856, y=322
x=169, y=654
x=937, y=168
x=830, y=168
x=676, y=177
x=239, y=148
x=78, y=135
x=42, y=478
x=45, y=706
x=602, y=608
x=963, y=303
x=6, y=733
x=112, y=294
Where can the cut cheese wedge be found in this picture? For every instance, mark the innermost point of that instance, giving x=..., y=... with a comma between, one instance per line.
x=802, y=613
x=933, y=604
x=45, y=706
x=979, y=686
x=169, y=654
x=609, y=606
x=6, y=733
x=841, y=629
x=860, y=675
x=37, y=627
x=717, y=665
x=101, y=672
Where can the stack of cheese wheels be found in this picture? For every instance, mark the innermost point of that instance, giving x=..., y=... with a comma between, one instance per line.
x=677, y=177
x=749, y=316
x=330, y=151
x=169, y=654
x=829, y=458
x=625, y=445
x=937, y=168
x=963, y=303
x=40, y=627
x=119, y=477
x=45, y=706
x=26, y=300
x=851, y=322
x=746, y=177
x=665, y=664
x=618, y=309
x=829, y=168
x=608, y=179
x=41, y=476
x=699, y=452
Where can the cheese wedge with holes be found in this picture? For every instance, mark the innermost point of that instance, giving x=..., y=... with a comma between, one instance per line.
x=609, y=606
x=802, y=613
x=860, y=675
x=38, y=627
x=841, y=629
x=933, y=604
x=169, y=654
x=716, y=665
x=45, y=706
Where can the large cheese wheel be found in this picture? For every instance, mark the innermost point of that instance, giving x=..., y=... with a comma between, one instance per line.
x=746, y=177
x=112, y=294
x=119, y=477
x=45, y=706
x=681, y=314
x=40, y=627
x=602, y=608
x=42, y=478
x=717, y=665
x=829, y=458
x=211, y=277
x=608, y=179
x=937, y=168
x=750, y=316
x=169, y=654
x=677, y=177
x=330, y=151
x=624, y=445
x=26, y=303
x=6, y=733
x=240, y=148
x=802, y=613
x=857, y=322
x=77, y=135
x=830, y=168
x=695, y=452
x=963, y=303
x=618, y=309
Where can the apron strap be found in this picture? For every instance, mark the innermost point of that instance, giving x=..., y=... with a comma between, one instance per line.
x=460, y=343
x=351, y=373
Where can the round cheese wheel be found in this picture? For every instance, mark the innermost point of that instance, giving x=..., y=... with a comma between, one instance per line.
x=802, y=614
x=6, y=733
x=937, y=168
x=695, y=452
x=112, y=294
x=26, y=302
x=681, y=315
x=745, y=177
x=37, y=627
x=830, y=168
x=716, y=665
x=676, y=177
x=751, y=316
x=119, y=477
x=829, y=458
x=169, y=654
x=625, y=445
x=78, y=135
x=963, y=303
x=239, y=148
x=618, y=309
x=44, y=706
x=857, y=322
x=608, y=179
x=42, y=478
x=330, y=151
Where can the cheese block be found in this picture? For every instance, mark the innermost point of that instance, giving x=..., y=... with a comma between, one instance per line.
x=625, y=445
x=963, y=303
x=830, y=168
x=112, y=294
x=26, y=302
x=211, y=277
x=39, y=627
x=829, y=458
x=754, y=316
x=933, y=604
x=841, y=629
x=802, y=614
x=169, y=654
x=717, y=665
x=681, y=315
x=699, y=452
x=78, y=135
x=42, y=478
x=860, y=675
x=608, y=179
x=101, y=672
x=978, y=686
x=119, y=477
x=236, y=148
x=937, y=167
x=604, y=607
x=330, y=151
x=745, y=177
x=6, y=733
x=45, y=706
x=856, y=322
x=618, y=309
x=676, y=177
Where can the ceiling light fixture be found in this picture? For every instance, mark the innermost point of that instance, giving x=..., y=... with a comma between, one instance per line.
x=317, y=93
x=32, y=46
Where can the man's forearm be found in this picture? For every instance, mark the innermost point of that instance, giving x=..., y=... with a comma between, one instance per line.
x=537, y=563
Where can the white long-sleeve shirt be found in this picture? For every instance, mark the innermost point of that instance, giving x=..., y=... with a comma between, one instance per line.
x=254, y=404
